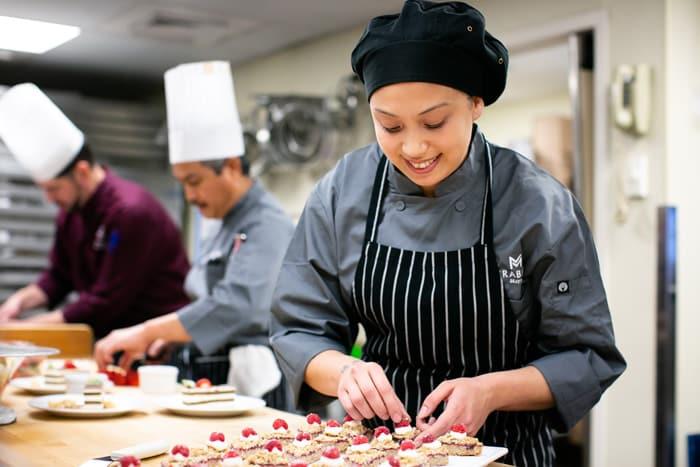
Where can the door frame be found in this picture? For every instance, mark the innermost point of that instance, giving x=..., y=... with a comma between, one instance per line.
x=523, y=39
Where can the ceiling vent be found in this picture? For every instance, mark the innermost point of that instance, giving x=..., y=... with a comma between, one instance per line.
x=182, y=25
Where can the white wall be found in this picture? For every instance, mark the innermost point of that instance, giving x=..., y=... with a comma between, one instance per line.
x=638, y=33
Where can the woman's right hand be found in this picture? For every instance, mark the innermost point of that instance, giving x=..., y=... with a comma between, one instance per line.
x=365, y=392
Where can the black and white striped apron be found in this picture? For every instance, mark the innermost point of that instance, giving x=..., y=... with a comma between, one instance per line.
x=432, y=316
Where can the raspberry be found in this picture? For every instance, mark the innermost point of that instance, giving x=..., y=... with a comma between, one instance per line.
x=69, y=365
x=459, y=428
x=359, y=439
x=331, y=453
x=381, y=430
x=407, y=445
x=129, y=461
x=232, y=453
x=180, y=449
x=301, y=436
x=203, y=383
x=333, y=423
x=402, y=424
x=215, y=436
x=347, y=418
x=279, y=423
x=273, y=444
x=393, y=461
x=247, y=432
x=313, y=418
x=428, y=438
x=298, y=464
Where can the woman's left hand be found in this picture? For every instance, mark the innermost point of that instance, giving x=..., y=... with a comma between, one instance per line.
x=467, y=401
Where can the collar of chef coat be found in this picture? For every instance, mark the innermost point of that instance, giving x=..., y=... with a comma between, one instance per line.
x=98, y=203
x=247, y=202
x=468, y=178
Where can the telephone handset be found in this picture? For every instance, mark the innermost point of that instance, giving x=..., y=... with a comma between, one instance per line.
x=631, y=98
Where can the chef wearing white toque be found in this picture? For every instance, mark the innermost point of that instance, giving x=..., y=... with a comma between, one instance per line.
x=231, y=283
x=105, y=247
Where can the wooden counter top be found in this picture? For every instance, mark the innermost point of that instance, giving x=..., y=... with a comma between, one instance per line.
x=41, y=439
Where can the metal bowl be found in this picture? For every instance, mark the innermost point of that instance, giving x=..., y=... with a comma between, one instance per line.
x=11, y=357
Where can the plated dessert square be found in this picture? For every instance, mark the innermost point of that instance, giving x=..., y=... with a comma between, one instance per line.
x=403, y=430
x=434, y=451
x=304, y=449
x=272, y=455
x=203, y=392
x=333, y=436
x=384, y=442
x=248, y=443
x=361, y=454
x=457, y=443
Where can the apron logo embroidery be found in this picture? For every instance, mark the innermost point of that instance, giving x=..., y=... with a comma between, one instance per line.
x=514, y=275
x=562, y=287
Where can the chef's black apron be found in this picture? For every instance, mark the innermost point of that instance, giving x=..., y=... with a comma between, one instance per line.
x=432, y=316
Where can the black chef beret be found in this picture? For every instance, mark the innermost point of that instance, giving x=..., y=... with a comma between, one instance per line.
x=444, y=43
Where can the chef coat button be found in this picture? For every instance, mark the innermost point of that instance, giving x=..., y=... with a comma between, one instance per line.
x=459, y=206
x=400, y=205
x=470, y=28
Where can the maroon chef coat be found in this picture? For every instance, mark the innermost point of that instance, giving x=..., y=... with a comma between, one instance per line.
x=122, y=254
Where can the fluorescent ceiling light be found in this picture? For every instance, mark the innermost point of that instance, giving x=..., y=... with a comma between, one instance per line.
x=37, y=37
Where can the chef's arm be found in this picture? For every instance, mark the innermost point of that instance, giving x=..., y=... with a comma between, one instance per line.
x=516, y=390
x=31, y=296
x=324, y=370
x=167, y=327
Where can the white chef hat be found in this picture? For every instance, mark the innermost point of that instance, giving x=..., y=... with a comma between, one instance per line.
x=203, y=121
x=42, y=139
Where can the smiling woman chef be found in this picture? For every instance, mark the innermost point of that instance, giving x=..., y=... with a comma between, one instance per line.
x=472, y=271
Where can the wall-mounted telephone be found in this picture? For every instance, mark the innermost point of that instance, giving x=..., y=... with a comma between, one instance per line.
x=631, y=98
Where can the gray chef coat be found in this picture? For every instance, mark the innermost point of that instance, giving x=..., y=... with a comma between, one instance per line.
x=545, y=253
x=233, y=289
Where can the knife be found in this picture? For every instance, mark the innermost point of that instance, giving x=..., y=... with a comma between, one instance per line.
x=140, y=451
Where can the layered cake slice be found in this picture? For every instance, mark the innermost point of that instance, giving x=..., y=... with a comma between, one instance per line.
x=434, y=451
x=409, y=455
x=457, y=443
x=232, y=459
x=330, y=458
x=403, y=430
x=217, y=443
x=280, y=431
x=361, y=454
x=203, y=392
x=271, y=456
x=314, y=426
x=303, y=448
x=333, y=436
x=248, y=443
x=384, y=442
x=189, y=456
x=55, y=374
x=93, y=394
x=352, y=427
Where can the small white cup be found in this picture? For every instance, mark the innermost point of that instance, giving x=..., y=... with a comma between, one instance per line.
x=158, y=379
x=76, y=381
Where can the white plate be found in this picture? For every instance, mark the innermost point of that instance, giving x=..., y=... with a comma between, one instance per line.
x=122, y=406
x=488, y=454
x=37, y=385
x=239, y=405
